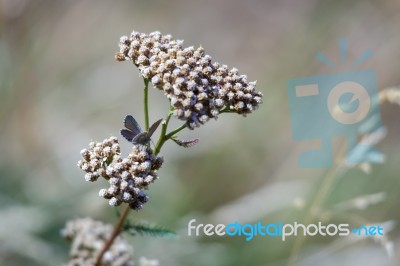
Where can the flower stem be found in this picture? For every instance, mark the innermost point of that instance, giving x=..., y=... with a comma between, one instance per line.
x=162, y=138
x=115, y=233
x=146, y=104
x=172, y=133
x=121, y=220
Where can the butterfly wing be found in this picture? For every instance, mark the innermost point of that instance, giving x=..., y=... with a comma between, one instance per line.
x=131, y=124
x=153, y=128
x=127, y=134
x=134, y=133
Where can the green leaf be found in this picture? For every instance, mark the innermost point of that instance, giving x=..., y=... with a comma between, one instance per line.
x=148, y=229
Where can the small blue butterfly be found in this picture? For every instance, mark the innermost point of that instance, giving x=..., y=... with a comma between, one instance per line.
x=134, y=133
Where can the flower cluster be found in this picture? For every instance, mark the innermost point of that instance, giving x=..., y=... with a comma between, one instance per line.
x=88, y=237
x=97, y=156
x=128, y=177
x=197, y=88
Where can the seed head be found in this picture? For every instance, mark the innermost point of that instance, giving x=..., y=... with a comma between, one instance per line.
x=127, y=177
x=177, y=71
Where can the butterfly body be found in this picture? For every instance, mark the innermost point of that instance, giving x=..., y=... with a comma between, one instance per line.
x=134, y=133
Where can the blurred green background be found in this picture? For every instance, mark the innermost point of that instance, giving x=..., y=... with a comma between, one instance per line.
x=60, y=88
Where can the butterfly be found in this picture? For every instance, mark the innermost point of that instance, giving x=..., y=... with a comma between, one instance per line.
x=134, y=133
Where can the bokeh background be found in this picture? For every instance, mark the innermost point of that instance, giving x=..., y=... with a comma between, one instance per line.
x=60, y=88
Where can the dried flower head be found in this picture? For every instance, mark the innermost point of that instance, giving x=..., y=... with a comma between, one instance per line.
x=197, y=88
x=128, y=177
x=97, y=156
x=88, y=237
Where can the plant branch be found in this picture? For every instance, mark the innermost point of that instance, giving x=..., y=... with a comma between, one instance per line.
x=115, y=233
x=146, y=104
x=172, y=133
x=118, y=226
x=162, y=138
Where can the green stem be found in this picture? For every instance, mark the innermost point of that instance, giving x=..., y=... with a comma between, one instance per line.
x=164, y=136
x=172, y=133
x=146, y=104
x=162, y=139
x=118, y=226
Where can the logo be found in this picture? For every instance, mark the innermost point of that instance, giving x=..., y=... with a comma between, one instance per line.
x=281, y=230
x=325, y=107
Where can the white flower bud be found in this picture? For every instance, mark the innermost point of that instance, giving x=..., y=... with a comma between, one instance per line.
x=103, y=192
x=89, y=177
x=114, y=202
